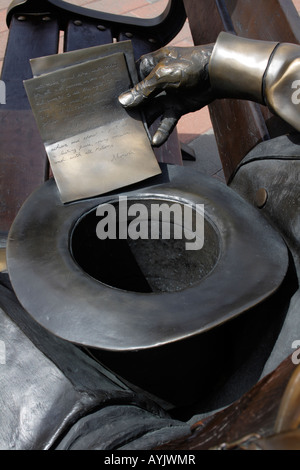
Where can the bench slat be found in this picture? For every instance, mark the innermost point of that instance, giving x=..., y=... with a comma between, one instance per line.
x=23, y=161
x=80, y=34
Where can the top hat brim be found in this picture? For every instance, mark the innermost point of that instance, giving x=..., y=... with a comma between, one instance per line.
x=251, y=265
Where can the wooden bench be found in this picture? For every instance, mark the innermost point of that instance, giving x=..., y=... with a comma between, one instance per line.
x=35, y=27
x=240, y=125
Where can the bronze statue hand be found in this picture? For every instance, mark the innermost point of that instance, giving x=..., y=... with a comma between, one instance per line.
x=175, y=81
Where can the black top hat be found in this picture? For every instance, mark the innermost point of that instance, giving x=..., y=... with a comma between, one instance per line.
x=76, y=286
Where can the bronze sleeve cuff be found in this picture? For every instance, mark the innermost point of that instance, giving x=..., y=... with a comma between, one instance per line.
x=237, y=67
x=282, y=84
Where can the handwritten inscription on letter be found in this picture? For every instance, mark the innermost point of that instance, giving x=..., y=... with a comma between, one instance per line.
x=93, y=144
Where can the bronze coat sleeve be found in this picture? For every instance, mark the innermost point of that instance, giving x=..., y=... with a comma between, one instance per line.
x=261, y=71
x=282, y=84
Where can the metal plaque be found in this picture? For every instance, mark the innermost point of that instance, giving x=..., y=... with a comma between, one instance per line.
x=94, y=145
x=52, y=63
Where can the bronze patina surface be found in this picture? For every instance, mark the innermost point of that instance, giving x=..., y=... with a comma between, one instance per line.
x=250, y=265
x=93, y=144
x=54, y=62
x=247, y=59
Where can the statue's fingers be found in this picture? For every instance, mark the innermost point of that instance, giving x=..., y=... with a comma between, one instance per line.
x=166, y=127
x=167, y=75
x=138, y=93
x=148, y=62
x=151, y=86
x=162, y=104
